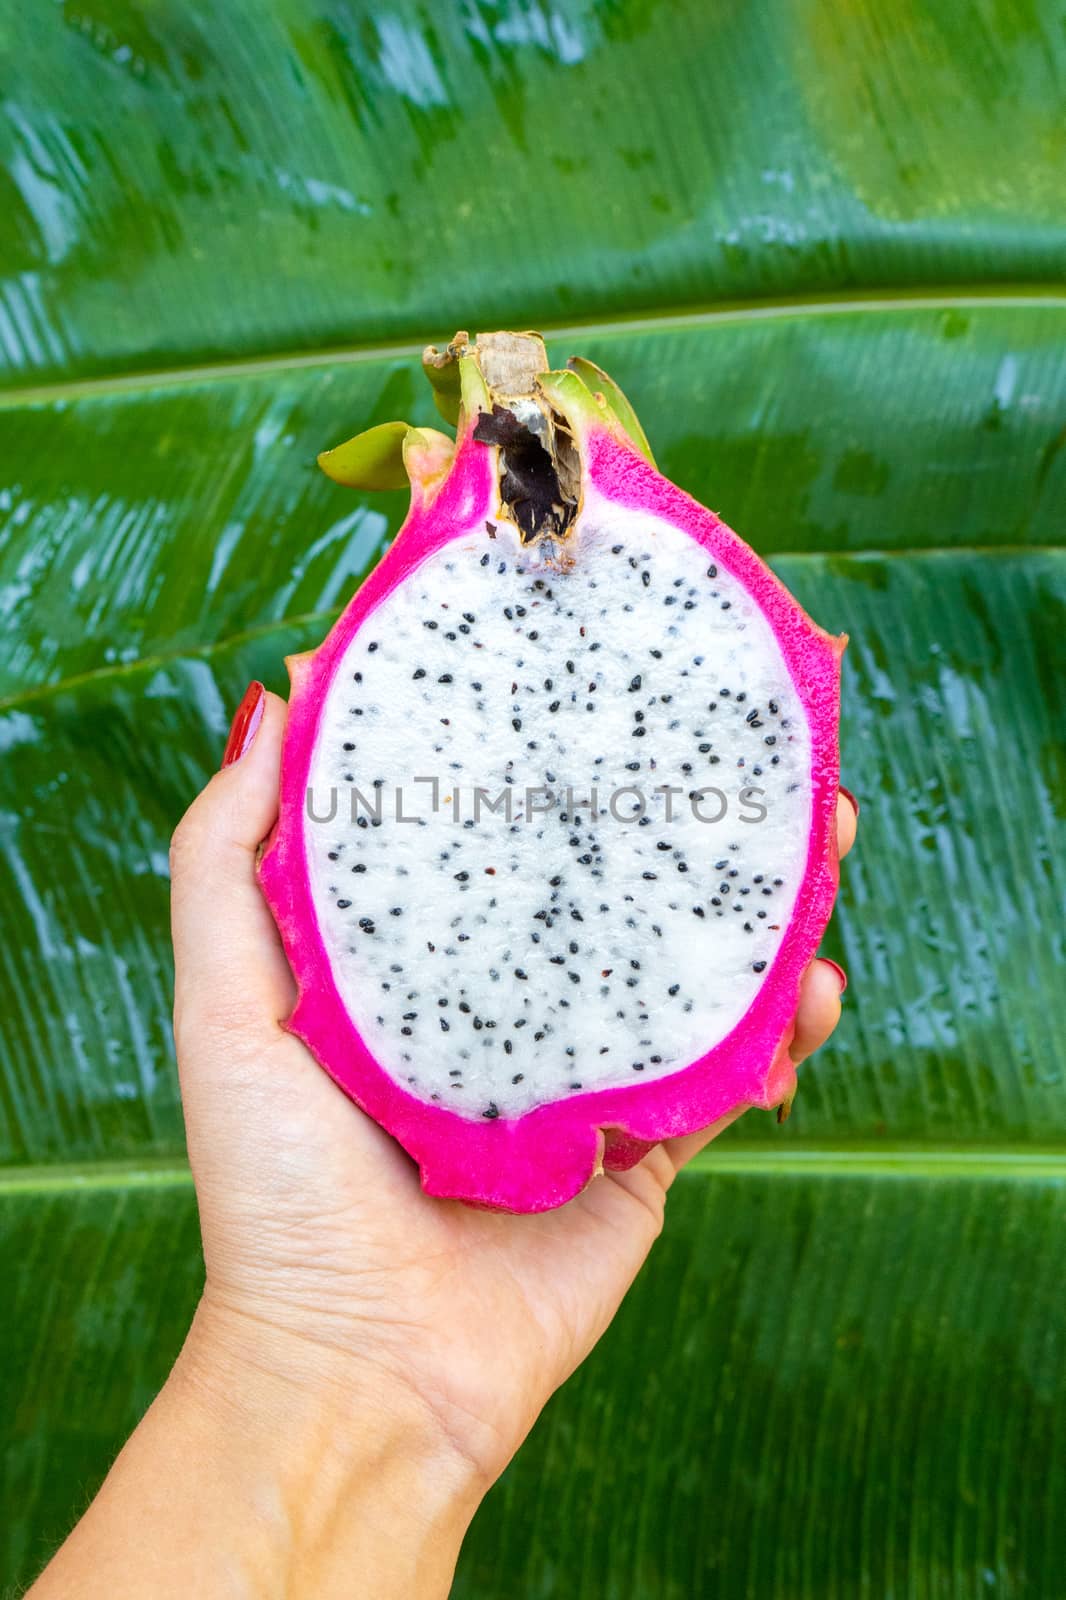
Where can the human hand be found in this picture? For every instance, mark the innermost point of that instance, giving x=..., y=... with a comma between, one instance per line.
x=365, y=1359
x=322, y=1252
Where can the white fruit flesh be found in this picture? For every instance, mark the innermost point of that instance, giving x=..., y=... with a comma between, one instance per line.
x=492, y=966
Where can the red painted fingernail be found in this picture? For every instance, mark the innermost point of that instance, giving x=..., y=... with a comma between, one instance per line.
x=841, y=974
x=850, y=798
x=245, y=724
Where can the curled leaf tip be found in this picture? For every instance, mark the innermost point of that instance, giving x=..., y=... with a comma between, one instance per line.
x=441, y=367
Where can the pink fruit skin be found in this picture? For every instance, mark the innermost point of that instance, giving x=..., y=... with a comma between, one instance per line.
x=541, y=1160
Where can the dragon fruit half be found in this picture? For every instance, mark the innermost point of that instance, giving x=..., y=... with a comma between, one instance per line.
x=556, y=837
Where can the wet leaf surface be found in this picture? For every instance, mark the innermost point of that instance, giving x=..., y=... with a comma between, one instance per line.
x=226, y=232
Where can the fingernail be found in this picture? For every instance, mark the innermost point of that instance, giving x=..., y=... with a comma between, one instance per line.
x=850, y=798
x=245, y=724
x=841, y=974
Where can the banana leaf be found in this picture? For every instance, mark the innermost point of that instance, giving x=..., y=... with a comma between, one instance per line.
x=188, y=180
x=817, y=246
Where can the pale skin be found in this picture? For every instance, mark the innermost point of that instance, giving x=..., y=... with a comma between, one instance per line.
x=364, y=1361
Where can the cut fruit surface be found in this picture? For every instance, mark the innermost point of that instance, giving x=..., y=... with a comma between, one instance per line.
x=556, y=838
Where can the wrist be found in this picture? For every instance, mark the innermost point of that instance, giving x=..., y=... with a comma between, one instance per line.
x=339, y=1466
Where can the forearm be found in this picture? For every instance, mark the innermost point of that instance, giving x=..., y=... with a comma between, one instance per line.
x=242, y=1482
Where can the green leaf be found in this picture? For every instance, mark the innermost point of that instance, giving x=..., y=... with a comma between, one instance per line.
x=809, y=242
x=95, y=776
x=838, y=1376
x=102, y=1276
x=827, y=1381
x=195, y=180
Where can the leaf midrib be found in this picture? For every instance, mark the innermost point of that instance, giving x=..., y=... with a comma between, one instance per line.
x=647, y=319
x=753, y=1160
x=163, y=658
